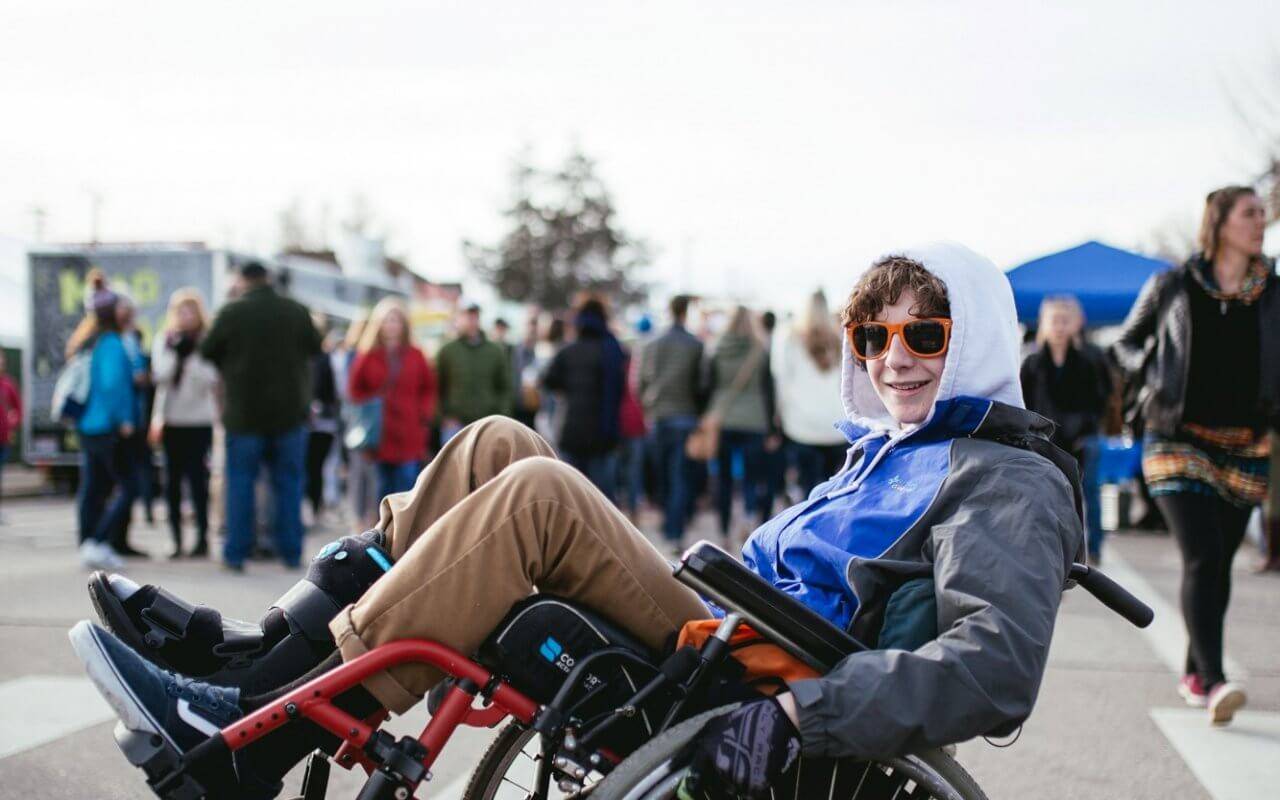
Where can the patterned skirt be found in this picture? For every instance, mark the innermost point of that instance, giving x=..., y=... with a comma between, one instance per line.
x=1232, y=463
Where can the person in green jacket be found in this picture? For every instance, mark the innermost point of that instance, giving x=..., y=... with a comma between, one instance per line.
x=262, y=345
x=474, y=377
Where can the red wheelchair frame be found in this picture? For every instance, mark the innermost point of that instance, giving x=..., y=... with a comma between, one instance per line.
x=313, y=701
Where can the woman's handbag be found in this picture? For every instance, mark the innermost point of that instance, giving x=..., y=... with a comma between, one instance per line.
x=364, y=420
x=364, y=425
x=71, y=390
x=704, y=442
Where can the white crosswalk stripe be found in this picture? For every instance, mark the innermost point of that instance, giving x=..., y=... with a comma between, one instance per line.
x=1238, y=762
x=39, y=709
x=1166, y=634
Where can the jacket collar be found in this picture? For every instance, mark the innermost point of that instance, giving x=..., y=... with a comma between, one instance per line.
x=964, y=416
x=264, y=290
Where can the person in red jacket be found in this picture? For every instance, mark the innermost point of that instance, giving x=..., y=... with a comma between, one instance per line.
x=389, y=366
x=10, y=414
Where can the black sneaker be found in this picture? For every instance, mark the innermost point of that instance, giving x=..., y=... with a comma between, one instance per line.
x=147, y=699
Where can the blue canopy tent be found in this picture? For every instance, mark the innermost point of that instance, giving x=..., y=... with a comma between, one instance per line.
x=1105, y=279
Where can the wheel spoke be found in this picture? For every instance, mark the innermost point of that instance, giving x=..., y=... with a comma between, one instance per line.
x=521, y=787
x=861, y=781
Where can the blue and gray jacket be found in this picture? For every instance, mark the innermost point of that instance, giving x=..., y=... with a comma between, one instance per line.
x=974, y=498
x=111, y=402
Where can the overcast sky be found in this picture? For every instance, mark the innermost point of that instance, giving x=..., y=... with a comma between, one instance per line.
x=762, y=147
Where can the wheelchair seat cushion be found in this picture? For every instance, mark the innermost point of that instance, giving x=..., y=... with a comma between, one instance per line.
x=544, y=637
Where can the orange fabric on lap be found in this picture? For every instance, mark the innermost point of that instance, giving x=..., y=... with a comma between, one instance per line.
x=764, y=662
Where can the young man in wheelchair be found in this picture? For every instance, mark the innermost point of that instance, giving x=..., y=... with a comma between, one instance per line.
x=947, y=480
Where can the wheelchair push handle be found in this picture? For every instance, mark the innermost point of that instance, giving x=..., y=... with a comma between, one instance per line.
x=1113, y=595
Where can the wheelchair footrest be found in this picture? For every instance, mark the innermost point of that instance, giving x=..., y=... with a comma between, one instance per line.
x=315, y=780
x=162, y=765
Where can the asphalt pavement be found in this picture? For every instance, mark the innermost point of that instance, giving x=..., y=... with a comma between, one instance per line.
x=1108, y=723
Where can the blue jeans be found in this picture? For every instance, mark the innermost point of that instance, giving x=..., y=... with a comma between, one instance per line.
x=670, y=435
x=817, y=463
x=751, y=446
x=632, y=472
x=284, y=454
x=601, y=470
x=1091, y=485
x=395, y=478
x=104, y=466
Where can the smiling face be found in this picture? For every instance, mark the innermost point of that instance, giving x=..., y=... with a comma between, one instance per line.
x=905, y=383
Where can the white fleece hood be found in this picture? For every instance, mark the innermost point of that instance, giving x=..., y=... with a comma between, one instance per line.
x=983, y=358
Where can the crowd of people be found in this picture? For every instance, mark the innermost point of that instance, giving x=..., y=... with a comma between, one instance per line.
x=317, y=424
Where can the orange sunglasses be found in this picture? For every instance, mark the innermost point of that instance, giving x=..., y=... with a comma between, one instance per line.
x=923, y=338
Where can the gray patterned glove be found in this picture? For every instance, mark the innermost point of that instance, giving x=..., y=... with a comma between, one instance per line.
x=744, y=752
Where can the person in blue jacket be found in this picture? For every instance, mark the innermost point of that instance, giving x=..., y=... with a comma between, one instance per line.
x=107, y=485
x=950, y=488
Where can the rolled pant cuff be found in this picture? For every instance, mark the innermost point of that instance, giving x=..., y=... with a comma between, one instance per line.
x=386, y=690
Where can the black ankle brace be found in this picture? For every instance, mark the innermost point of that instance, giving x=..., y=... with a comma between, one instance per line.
x=339, y=575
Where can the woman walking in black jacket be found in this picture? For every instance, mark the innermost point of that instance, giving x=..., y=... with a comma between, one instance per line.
x=1204, y=338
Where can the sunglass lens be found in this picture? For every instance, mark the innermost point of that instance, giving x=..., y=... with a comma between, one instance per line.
x=926, y=338
x=870, y=339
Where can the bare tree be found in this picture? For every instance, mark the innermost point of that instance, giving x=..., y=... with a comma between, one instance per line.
x=1256, y=103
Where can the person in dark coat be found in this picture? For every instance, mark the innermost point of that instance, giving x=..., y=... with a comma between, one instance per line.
x=323, y=425
x=590, y=375
x=263, y=345
x=1067, y=380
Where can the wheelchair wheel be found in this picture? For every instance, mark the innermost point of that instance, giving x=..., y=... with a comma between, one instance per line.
x=655, y=770
x=507, y=770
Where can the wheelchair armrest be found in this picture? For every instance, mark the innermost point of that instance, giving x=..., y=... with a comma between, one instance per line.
x=787, y=622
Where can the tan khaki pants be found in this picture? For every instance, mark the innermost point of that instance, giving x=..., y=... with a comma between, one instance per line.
x=492, y=519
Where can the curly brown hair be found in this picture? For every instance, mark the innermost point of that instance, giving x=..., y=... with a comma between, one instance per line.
x=885, y=282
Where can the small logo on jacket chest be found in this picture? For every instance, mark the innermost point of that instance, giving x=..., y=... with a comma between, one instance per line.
x=899, y=485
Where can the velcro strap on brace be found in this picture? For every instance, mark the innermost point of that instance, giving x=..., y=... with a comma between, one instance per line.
x=167, y=619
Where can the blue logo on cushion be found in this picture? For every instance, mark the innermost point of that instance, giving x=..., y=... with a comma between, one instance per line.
x=550, y=650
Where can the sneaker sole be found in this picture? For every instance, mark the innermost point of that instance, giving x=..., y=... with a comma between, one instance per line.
x=134, y=716
x=1226, y=707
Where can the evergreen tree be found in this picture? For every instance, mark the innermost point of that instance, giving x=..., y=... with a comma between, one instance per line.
x=563, y=239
